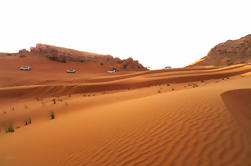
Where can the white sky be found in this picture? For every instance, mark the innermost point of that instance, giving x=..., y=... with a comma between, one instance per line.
x=158, y=33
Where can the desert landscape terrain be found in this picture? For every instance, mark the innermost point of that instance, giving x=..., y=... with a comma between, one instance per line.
x=194, y=116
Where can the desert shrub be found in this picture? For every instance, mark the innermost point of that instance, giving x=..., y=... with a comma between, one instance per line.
x=26, y=122
x=195, y=85
x=29, y=120
x=158, y=91
x=102, y=64
x=4, y=112
x=52, y=115
x=167, y=84
x=172, y=89
x=202, y=80
x=54, y=101
x=10, y=129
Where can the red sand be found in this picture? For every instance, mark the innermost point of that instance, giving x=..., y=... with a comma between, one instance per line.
x=189, y=116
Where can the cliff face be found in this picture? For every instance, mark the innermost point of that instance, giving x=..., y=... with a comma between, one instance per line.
x=64, y=55
x=228, y=53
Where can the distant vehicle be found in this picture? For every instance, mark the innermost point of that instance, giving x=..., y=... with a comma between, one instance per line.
x=249, y=63
x=25, y=68
x=71, y=71
x=168, y=67
x=113, y=70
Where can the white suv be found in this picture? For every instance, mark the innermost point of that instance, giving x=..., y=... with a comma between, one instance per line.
x=25, y=68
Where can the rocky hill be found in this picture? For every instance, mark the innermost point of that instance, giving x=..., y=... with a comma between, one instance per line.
x=64, y=55
x=228, y=53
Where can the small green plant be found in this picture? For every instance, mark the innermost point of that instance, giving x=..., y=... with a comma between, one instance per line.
x=52, y=115
x=10, y=129
x=26, y=122
x=54, y=101
x=29, y=120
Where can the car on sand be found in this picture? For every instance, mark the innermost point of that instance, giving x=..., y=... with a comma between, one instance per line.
x=25, y=68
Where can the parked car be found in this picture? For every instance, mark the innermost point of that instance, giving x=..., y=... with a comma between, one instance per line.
x=71, y=71
x=25, y=68
x=113, y=70
x=168, y=67
x=249, y=63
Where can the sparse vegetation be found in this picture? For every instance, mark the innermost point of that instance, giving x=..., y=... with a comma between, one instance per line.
x=195, y=85
x=66, y=104
x=202, y=81
x=168, y=84
x=10, y=129
x=4, y=112
x=172, y=89
x=158, y=91
x=52, y=115
x=54, y=101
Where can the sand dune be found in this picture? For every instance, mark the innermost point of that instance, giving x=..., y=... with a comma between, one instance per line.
x=191, y=116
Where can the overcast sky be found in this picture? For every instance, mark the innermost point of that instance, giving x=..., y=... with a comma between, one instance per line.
x=158, y=33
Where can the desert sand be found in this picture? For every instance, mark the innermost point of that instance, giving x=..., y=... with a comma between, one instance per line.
x=190, y=116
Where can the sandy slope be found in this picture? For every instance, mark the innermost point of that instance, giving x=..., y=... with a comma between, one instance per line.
x=142, y=125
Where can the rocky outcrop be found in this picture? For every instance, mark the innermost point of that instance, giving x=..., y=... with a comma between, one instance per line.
x=228, y=53
x=64, y=55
